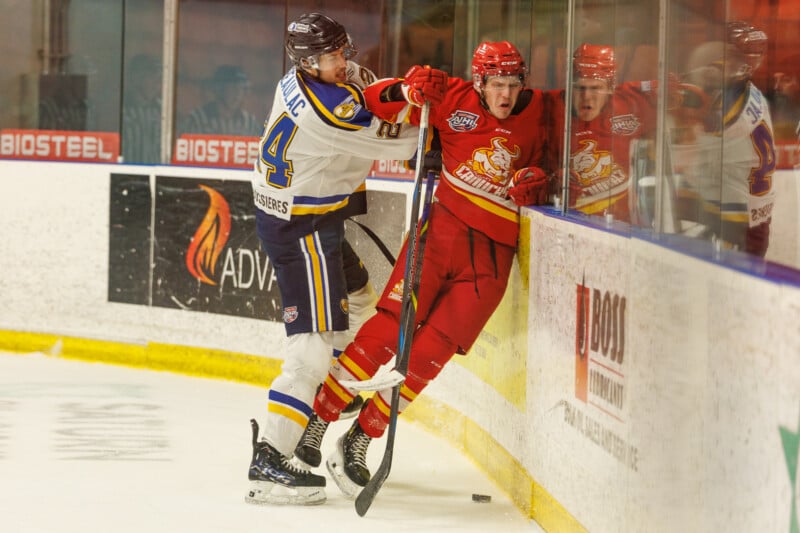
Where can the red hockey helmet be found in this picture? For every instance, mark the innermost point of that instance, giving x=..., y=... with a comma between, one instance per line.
x=747, y=47
x=497, y=59
x=595, y=61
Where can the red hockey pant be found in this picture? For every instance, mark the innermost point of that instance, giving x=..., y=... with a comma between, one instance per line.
x=464, y=277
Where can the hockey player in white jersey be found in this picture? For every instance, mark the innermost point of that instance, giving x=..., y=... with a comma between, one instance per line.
x=725, y=155
x=318, y=145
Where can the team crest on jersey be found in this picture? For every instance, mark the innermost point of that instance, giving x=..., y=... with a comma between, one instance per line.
x=463, y=121
x=345, y=305
x=625, y=124
x=397, y=292
x=345, y=111
x=290, y=314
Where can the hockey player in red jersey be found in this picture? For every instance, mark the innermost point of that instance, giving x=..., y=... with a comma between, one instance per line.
x=606, y=118
x=491, y=132
x=318, y=145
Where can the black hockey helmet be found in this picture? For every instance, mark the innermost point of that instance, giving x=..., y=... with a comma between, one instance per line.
x=314, y=34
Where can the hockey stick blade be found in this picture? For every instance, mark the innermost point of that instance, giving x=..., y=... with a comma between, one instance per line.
x=387, y=380
x=367, y=495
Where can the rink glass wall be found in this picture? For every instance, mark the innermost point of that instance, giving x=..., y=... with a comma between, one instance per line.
x=96, y=68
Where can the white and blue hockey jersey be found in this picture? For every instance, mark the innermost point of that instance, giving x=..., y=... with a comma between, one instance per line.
x=316, y=150
x=728, y=168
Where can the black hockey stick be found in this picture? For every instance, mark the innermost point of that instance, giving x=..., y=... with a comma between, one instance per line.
x=408, y=311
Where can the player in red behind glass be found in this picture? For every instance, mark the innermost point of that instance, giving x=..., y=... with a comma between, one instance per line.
x=492, y=133
x=606, y=118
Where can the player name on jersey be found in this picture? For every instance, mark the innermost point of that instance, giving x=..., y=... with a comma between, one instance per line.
x=53, y=145
x=276, y=203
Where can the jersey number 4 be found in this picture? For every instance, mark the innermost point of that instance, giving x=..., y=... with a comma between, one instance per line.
x=277, y=168
x=761, y=176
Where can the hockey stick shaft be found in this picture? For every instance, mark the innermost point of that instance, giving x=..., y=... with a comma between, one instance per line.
x=413, y=267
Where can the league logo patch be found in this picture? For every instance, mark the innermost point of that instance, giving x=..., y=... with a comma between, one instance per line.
x=625, y=124
x=463, y=121
x=345, y=305
x=290, y=314
x=345, y=111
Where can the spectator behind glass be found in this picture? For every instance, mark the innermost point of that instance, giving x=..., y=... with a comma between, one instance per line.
x=785, y=103
x=225, y=115
x=141, y=111
x=63, y=103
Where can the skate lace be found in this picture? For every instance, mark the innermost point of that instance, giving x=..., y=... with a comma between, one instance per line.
x=287, y=465
x=359, y=449
x=314, y=432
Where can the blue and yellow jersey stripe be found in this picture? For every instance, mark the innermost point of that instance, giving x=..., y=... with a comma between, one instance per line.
x=318, y=283
x=289, y=407
x=311, y=205
x=340, y=105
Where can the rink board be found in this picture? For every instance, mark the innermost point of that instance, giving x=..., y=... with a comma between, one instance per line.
x=679, y=413
x=650, y=390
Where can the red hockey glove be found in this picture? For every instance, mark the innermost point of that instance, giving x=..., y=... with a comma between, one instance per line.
x=757, y=239
x=529, y=186
x=424, y=83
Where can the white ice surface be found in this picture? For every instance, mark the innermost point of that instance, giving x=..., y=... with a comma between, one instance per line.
x=88, y=447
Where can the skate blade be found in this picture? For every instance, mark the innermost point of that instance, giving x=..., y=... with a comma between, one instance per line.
x=268, y=493
x=335, y=464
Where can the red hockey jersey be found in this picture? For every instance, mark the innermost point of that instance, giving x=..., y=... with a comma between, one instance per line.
x=480, y=153
x=600, y=149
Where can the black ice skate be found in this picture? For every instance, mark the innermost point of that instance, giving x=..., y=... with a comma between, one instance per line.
x=307, y=453
x=274, y=480
x=307, y=450
x=348, y=463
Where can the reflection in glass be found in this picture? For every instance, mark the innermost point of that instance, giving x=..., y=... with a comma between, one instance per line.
x=723, y=151
x=224, y=114
x=141, y=111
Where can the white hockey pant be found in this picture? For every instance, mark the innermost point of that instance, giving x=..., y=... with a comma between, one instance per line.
x=361, y=305
x=308, y=359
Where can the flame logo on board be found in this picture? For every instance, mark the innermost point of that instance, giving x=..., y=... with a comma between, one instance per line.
x=209, y=239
